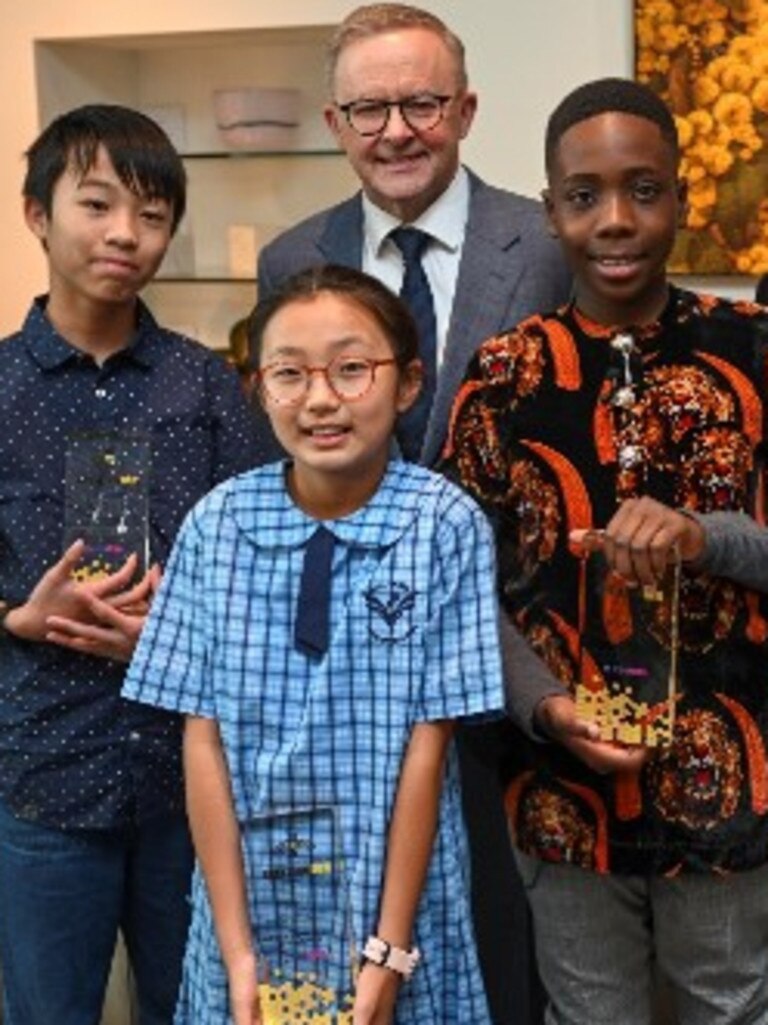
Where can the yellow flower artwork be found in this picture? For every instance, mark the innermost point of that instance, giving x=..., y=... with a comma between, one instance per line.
x=708, y=59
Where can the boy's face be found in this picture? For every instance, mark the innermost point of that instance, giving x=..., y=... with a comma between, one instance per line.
x=103, y=242
x=614, y=201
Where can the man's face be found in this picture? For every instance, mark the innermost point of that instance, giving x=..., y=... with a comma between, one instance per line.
x=614, y=202
x=402, y=170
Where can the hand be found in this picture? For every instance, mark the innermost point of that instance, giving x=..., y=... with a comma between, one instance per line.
x=557, y=717
x=244, y=992
x=57, y=593
x=375, y=995
x=641, y=539
x=117, y=621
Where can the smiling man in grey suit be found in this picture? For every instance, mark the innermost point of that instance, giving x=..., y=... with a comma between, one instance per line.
x=399, y=106
x=397, y=74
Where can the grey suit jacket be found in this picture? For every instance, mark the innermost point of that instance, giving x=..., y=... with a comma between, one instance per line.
x=510, y=267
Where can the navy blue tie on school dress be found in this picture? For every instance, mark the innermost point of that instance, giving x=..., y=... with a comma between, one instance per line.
x=416, y=293
x=311, y=630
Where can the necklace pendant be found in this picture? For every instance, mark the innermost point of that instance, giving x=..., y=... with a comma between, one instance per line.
x=629, y=456
x=625, y=344
x=624, y=398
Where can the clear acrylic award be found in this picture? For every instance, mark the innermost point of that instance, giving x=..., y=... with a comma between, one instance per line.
x=107, y=501
x=300, y=917
x=628, y=653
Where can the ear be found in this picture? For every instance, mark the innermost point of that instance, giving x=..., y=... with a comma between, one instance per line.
x=409, y=385
x=546, y=199
x=467, y=111
x=682, y=202
x=331, y=115
x=36, y=217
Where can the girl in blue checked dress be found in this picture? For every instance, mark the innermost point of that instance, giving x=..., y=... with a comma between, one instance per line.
x=321, y=624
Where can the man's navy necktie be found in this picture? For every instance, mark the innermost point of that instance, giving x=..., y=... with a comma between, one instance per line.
x=417, y=294
x=313, y=607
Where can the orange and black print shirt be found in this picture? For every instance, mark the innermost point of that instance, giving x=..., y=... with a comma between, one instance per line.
x=556, y=424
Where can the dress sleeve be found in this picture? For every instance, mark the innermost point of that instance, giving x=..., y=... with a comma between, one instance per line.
x=462, y=675
x=169, y=668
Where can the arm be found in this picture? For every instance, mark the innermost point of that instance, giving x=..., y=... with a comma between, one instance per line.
x=409, y=849
x=639, y=540
x=217, y=843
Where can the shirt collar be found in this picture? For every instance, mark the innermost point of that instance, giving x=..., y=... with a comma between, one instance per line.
x=444, y=221
x=51, y=351
x=266, y=513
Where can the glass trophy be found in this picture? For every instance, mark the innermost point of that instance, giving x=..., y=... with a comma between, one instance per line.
x=107, y=501
x=628, y=653
x=300, y=916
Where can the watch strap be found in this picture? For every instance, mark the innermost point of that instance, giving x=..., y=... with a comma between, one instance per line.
x=385, y=955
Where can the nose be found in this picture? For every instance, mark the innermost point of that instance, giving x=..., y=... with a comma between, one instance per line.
x=320, y=395
x=122, y=229
x=397, y=129
x=617, y=214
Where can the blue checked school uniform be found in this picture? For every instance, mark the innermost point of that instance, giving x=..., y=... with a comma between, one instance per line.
x=413, y=638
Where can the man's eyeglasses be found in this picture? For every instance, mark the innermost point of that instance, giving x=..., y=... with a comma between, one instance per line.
x=348, y=377
x=370, y=117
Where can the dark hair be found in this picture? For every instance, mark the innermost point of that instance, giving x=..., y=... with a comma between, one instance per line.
x=375, y=19
x=144, y=159
x=390, y=313
x=608, y=96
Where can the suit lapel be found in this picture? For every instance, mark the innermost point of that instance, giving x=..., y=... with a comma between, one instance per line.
x=490, y=267
x=342, y=238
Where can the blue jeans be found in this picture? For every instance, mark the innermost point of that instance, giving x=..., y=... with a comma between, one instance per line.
x=63, y=897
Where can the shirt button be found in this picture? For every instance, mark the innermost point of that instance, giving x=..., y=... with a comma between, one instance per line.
x=101, y=393
x=134, y=735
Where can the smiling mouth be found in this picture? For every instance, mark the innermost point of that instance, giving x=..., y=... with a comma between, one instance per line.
x=620, y=260
x=326, y=431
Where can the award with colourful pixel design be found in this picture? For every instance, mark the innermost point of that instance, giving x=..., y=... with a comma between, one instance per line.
x=628, y=653
x=107, y=501
x=300, y=917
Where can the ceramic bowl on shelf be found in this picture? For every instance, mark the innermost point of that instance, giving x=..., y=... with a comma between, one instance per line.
x=257, y=117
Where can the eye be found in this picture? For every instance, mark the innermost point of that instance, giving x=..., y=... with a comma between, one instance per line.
x=284, y=373
x=372, y=109
x=580, y=197
x=646, y=190
x=155, y=215
x=421, y=107
x=94, y=204
x=352, y=367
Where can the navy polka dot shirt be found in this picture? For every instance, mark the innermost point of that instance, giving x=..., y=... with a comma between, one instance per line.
x=73, y=753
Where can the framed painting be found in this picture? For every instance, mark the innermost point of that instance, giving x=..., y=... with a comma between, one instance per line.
x=708, y=59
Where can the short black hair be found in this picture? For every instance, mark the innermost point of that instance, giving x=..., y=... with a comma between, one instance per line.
x=143, y=156
x=388, y=310
x=608, y=96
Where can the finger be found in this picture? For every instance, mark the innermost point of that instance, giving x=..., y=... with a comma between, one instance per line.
x=604, y=757
x=589, y=539
x=128, y=625
x=63, y=569
x=138, y=594
x=118, y=580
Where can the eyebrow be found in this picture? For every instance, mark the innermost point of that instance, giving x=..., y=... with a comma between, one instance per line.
x=338, y=343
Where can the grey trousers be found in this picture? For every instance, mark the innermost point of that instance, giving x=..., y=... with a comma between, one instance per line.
x=600, y=940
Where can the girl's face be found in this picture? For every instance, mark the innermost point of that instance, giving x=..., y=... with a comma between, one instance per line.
x=339, y=446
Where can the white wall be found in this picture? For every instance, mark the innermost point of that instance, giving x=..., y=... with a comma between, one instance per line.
x=523, y=56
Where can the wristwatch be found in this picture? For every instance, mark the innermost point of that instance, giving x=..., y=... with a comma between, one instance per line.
x=383, y=954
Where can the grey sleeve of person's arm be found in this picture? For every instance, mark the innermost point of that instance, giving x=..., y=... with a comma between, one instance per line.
x=735, y=547
x=526, y=678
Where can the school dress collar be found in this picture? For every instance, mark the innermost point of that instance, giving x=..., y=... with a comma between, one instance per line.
x=264, y=512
